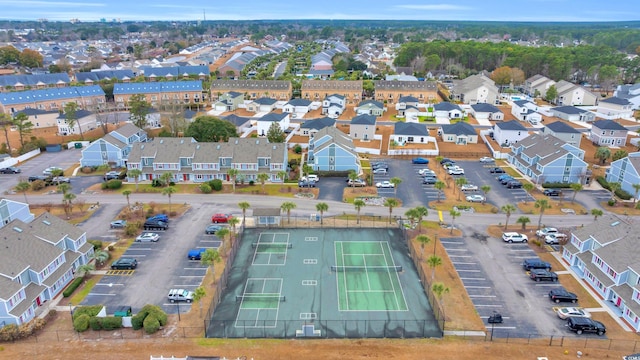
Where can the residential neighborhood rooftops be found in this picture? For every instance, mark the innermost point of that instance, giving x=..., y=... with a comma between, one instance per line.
x=446, y=106
x=569, y=110
x=616, y=101
x=318, y=124
x=265, y=101
x=371, y=103
x=236, y=120
x=410, y=128
x=511, y=125
x=406, y=99
x=608, y=125
x=485, y=108
x=28, y=96
x=364, y=119
x=156, y=87
x=561, y=127
x=299, y=102
x=273, y=117
x=459, y=128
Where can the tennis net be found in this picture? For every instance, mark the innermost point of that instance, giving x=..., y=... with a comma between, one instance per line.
x=366, y=268
x=266, y=245
x=261, y=298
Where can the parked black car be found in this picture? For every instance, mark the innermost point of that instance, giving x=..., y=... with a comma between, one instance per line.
x=542, y=275
x=583, y=324
x=514, y=184
x=496, y=170
x=530, y=264
x=552, y=192
x=562, y=295
x=306, y=183
x=10, y=170
x=48, y=180
x=124, y=264
x=152, y=224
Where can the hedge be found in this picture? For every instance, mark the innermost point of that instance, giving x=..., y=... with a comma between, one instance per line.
x=205, y=188
x=137, y=320
x=556, y=185
x=81, y=323
x=105, y=323
x=622, y=194
x=90, y=311
x=111, y=184
x=72, y=287
x=216, y=184
x=95, y=323
x=151, y=324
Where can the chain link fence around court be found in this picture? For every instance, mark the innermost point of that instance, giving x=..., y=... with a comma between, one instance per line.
x=317, y=220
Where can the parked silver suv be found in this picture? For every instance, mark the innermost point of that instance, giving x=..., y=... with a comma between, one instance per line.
x=180, y=295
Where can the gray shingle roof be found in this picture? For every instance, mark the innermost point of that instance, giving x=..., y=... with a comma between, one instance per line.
x=339, y=138
x=364, y=119
x=318, y=124
x=371, y=103
x=485, y=108
x=511, y=125
x=265, y=101
x=560, y=127
x=128, y=130
x=299, y=102
x=446, y=106
x=236, y=120
x=616, y=100
x=459, y=128
x=572, y=110
x=414, y=129
x=273, y=117
x=408, y=99
x=608, y=125
x=333, y=85
x=404, y=85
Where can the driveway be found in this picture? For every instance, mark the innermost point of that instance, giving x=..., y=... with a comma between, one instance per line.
x=331, y=188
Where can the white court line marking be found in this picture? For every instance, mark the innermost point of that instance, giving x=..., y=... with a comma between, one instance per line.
x=477, y=287
x=461, y=270
x=482, y=296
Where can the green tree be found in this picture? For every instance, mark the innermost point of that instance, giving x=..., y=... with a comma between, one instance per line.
x=135, y=174
x=5, y=124
x=207, y=128
x=198, y=295
x=602, y=154
x=390, y=203
x=619, y=154
x=287, y=206
x=233, y=222
x=353, y=176
x=396, y=181
x=421, y=212
x=507, y=209
x=636, y=189
x=412, y=215
x=168, y=191
x=275, y=133
x=596, y=213
x=439, y=185
x=613, y=187
x=528, y=187
x=359, y=204
x=139, y=108
x=209, y=258
x=23, y=126
x=127, y=193
x=459, y=182
x=576, y=187
x=67, y=201
x=551, y=94
x=84, y=270
x=23, y=187
x=71, y=117
x=31, y=58
x=64, y=188
x=100, y=256
x=423, y=240
x=485, y=189
x=263, y=177
x=454, y=214
x=542, y=204
x=243, y=205
x=282, y=175
x=439, y=289
x=233, y=175
x=434, y=261
x=166, y=178
x=321, y=208
x=524, y=220
x=222, y=235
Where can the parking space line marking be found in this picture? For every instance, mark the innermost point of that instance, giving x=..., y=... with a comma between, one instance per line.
x=457, y=250
x=459, y=270
x=190, y=276
x=501, y=327
x=463, y=263
x=477, y=287
x=100, y=294
x=177, y=303
x=451, y=242
x=109, y=284
x=462, y=256
x=479, y=279
x=555, y=284
x=185, y=285
x=482, y=296
x=520, y=250
x=489, y=305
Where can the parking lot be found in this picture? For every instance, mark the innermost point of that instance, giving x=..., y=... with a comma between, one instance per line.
x=162, y=265
x=492, y=275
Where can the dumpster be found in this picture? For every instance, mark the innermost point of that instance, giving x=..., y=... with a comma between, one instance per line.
x=122, y=311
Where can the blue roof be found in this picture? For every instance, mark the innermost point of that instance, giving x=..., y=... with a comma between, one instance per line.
x=616, y=100
x=446, y=106
x=485, y=108
x=511, y=125
x=265, y=101
x=377, y=104
x=236, y=120
x=522, y=103
x=569, y=110
x=408, y=99
x=560, y=127
x=273, y=117
x=364, y=119
x=157, y=87
x=607, y=125
x=175, y=71
x=415, y=129
x=33, y=80
x=30, y=96
x=299, y=102
x=104, y=75
x=459, y=128
x=318, y=124
x=34, y=111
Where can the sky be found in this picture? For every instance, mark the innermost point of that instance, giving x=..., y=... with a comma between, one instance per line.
x=177, y=10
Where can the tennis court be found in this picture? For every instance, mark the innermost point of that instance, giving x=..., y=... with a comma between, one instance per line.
x=288, y=283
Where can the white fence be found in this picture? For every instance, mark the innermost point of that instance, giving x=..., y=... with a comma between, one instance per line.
x=494, y=153
x=15, y=160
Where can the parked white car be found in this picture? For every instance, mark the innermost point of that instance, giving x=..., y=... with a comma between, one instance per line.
x=553, y=239
x=150, y=237
x=380, y=171
x=546, y=231
x=468, y=187
x=426, y=171
x=486, y=159
x=384, y=184
x=512, y=237
x=456, y=171
x=475, y=198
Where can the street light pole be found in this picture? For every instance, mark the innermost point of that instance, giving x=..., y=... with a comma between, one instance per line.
x=71, y=310
x=178, y=306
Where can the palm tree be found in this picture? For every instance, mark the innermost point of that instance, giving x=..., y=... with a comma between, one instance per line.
x=100, y=256
x=524, y=220
x=233, y=222
x=135, y=174
x=412, y=215
x=22, y=187
x=596, y=213
x=166, y=178
x=423, y=240
x=390, y=203
x=527, y=187
x=454, y=214
x=613, y=187
x=459, y=182
x=396, y=181
x=577, y=187
x=67, y=200
x=421, y=212
x=602, y=154
x=542, y=204
x=198, y=294
x=359, y=204
x=507, y=209
x=353, y=176
x=321, y=208
x=243, y=205
x=83, y=270
x=209, y=258
x=439, y=185
x=57, y=173
x=485, y=189
x=433, y=261
x=439, y=289
x=636, y=188
x=233, y=175
x=64, y=188
x=282, y=175
x=126, y=193
x=168, y=191
x=288, y=206
x=222, y=234
x=262, y=177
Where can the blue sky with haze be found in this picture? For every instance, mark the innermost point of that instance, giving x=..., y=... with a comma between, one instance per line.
x=488, y=10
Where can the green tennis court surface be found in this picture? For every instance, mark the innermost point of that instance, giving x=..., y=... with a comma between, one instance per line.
x=367, y=278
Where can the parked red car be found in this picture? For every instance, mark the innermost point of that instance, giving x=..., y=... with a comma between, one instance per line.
x=220, y=218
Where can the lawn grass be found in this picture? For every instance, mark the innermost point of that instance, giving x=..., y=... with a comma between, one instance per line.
x=77, y=216
x=349, y=194
x=529, y=207
x=86, y=288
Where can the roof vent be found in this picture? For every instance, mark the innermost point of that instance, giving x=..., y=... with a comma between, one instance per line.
x=615, y=223
x=46, y=222
x=17, y=229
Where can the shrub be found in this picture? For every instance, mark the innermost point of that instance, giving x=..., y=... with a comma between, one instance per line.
x=556, y=185
x=151, y=324
x=114, y=184
x=97, y=244
x=611, y=202
x=603, y=182
x=111, y=322
x=38, y=185
x=86, y=170
x=90, y=311
x=251, y=182
x=622, y=194
x=205, y=188
x=72, y=287
x=297, y=149
x=132, y=228
x=95, y=323
x=137, y=320
x=103, y=167
x=156, y=183
x=216, y=184
x=81, y=323
x=9, y=332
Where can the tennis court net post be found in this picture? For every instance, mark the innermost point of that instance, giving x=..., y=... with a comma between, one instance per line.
x=335, y=268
